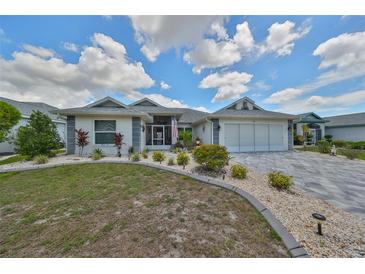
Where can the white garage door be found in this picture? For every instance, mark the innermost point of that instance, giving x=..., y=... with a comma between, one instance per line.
x=254, y=137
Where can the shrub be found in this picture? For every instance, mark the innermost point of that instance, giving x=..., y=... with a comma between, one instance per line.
x=349, y=153
x=82, y=139
x=279, y=180
x=298, y=140
x=328, y=138
x=339, y=143
x=9, y=117
x=118, y=142
x=171, y=162
x=324, y=146
x=182, y=159
x=187, y=138
x=239, y=171
x=358, y=145
x=145, y=155
x=211, y=157
x=158, y=156
x=176, y=150
x=38, y=137
x=41, y=159
x=146, y=150
x=135, y=157
x=97, y=154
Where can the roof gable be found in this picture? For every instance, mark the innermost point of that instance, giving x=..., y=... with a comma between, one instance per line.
x=243, y=103
x=310, y=117
x=107, y=102
x=146, y=102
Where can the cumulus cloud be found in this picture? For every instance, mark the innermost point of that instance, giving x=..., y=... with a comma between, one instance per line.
x=39, y=51
x=211, y=54
x=229, y=85
x=343, y=57
x=38, y=75
x=284, y=95
x=326, y=103
x=157, y=34
x=164, y=85
x=282, y=36
x=243, y=37
x=70, y=47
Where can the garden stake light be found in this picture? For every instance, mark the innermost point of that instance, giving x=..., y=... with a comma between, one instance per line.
x=320, y=218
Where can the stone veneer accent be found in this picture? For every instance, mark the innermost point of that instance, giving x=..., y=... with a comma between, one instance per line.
x=70, y=130
x=136, y=134
x=215, y=131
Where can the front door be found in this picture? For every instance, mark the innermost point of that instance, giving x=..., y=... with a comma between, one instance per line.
x=158, y=136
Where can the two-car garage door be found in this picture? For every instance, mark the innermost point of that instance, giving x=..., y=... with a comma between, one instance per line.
x=240, y=137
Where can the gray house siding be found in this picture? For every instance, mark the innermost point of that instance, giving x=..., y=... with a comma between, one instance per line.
x=347, y=133
x=136, y=134
x=70, y=144
x=215, y=131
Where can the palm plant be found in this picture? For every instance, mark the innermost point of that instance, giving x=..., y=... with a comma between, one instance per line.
x=81, y=139
x=118, y=142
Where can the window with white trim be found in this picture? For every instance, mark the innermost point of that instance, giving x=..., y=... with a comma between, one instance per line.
x=104, y=131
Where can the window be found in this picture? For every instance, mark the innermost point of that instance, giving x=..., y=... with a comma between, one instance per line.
x=104, y=131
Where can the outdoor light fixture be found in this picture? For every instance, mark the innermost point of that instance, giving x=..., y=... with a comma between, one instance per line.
x=320, y=218
x=219, y=127
x=143, y=128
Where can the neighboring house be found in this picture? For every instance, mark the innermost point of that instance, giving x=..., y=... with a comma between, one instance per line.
x=26, y=108
x=315, y=123
x=241, y=126
x=349, y=127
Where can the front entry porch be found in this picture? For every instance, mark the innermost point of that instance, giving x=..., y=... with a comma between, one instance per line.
x=159, y=134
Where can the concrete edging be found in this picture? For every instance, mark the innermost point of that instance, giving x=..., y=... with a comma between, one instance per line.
x=289, y=241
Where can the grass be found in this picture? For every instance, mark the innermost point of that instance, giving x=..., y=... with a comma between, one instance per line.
x=113, y=210
x=360, y=153
x=13, y=159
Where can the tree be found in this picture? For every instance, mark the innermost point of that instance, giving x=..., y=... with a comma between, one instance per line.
x=118, y=142
x=81, y=139
x=38, y=137
x=187, y=138
x=9, y=117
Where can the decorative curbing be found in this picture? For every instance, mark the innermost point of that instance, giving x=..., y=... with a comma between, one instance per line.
x=289, y=241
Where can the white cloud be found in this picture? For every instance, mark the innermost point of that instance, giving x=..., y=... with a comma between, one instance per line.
x=218, y=29
x=157, y=34
x=211, y=54
x=343, y=57
x=165, y=101
x=201, y=108
x=281, y=38
x=70, y=47
x=3, y=36
x=107, y=17
x=103, y=67
x=261, y=85
x=39, y=51
x=243, y=37
x=164, y=85
x=229, y=85
x=325, y=103
x=284, y=95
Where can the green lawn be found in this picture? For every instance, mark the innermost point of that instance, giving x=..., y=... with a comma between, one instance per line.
x=13, y=159
x=115, y=210
x=360, y=154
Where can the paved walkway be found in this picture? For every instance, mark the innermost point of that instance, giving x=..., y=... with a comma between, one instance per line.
x=337, y=180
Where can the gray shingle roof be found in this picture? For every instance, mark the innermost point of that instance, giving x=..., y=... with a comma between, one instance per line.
x=310, y=117
x=346, y=120
x=26, y=108
x=254, y=114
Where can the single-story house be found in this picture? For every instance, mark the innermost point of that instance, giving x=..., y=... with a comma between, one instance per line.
x=315, y=123
x=240, y=126
x=26, y=108
x=349, y=127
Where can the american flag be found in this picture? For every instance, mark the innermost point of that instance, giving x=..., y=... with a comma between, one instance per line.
x=174, y=129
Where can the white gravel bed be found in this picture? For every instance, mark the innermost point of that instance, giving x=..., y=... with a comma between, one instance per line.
x=344, y=233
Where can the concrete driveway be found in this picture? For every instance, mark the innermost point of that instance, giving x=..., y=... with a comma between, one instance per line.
x=337, y=180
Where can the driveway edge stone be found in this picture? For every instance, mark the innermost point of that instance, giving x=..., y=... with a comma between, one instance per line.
x=289, y=241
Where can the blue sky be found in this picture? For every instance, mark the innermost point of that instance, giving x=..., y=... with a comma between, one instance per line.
x=287, y=63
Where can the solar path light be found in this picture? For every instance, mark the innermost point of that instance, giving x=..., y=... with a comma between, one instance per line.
x=320, y=219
